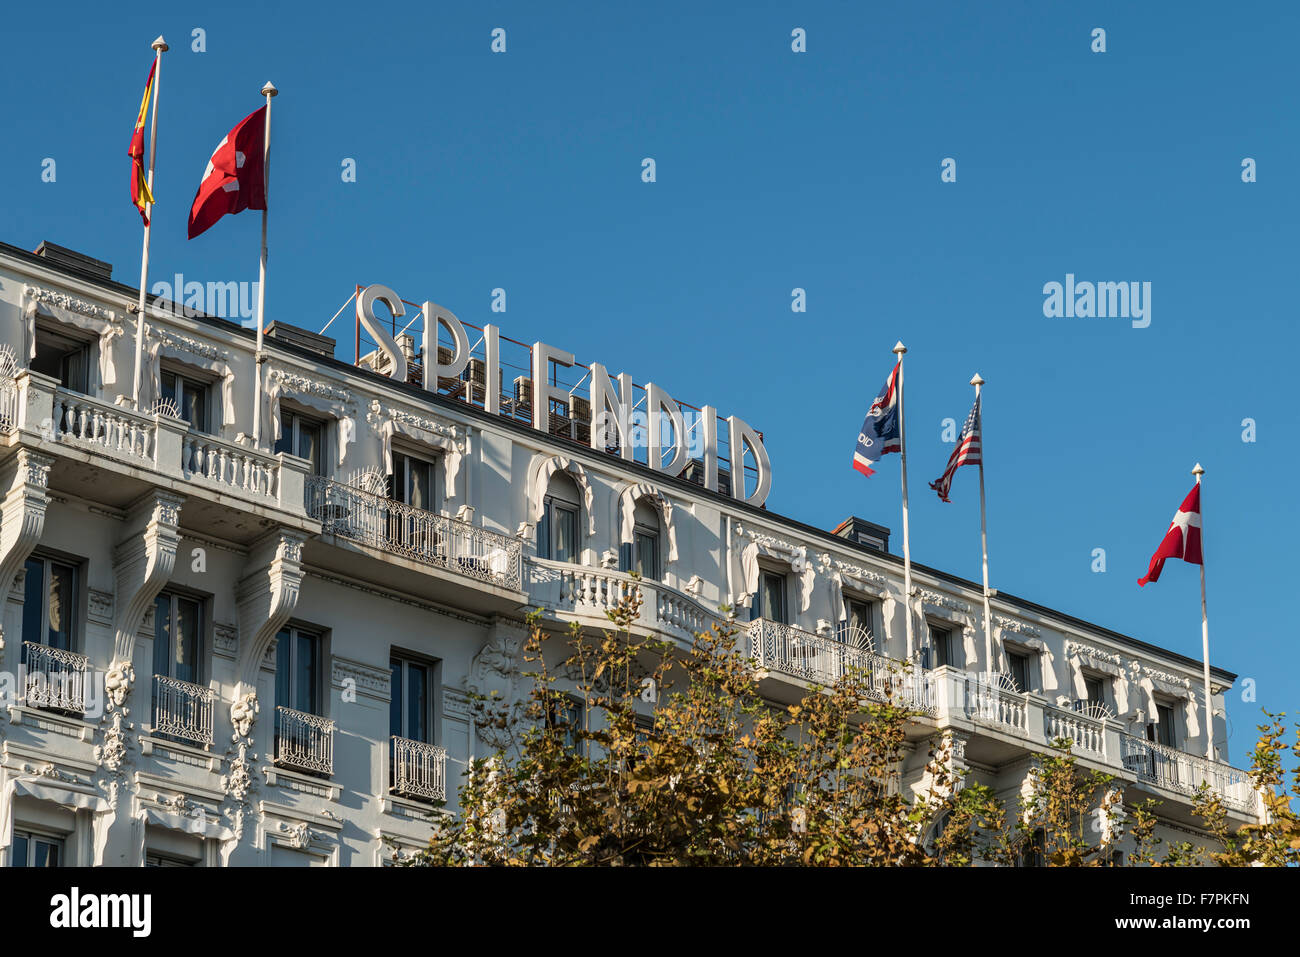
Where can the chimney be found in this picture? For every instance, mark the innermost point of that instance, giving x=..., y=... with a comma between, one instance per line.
x=67, y=258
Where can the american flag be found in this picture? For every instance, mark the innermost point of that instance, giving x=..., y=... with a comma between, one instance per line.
x=967, y=452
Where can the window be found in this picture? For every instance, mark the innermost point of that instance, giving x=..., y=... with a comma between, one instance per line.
x=298, y=670
x=770, y=603
x=941, y=642
x=31, y=849
x=412, y=481
x=1021, y=671
x=152, y=859
x=861, y=619
x=1033, y=853
x=1096, y=688
x=566, y=716
x=410, y=710
x=557, y=532
x=62, y=357
x=304, y=438
x=1163, y=731
x=49, y=594
x=191, y=397
x=641, y=555
x=177, y=637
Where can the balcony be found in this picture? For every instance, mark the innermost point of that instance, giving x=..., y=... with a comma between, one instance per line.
x=415, y=534
x=182, y=711
x=417, y=770
x=56, y=680
x=80, y=420
x=1173, y=770
x=304, y=742
x=227, y=467
x=593, y=592
x=1086, y=734
x=822, y=660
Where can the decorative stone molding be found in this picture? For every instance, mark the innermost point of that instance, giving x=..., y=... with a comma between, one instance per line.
x=539, y=477
x=1016, y=626
x=243, y=715
x=1073, y=647
x=762, y=544
x=22, y=514
x=366, y=679
x=644, y=491
x=493, y=684
x=267, y=598
x=938, y=600
x=99, y=606
x=455, y=704
x=225, y=640
x=69, y=303
x=143, y=563
x=294, y=383
x=179, y=342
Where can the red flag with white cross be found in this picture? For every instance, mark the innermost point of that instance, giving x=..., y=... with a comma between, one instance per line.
x=235, y=178
x=1183, y=540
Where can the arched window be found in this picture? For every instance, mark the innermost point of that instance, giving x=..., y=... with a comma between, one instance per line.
x=557, y=529
x=642, y=553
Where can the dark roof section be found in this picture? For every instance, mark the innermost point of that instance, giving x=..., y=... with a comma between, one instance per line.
x=418, y=394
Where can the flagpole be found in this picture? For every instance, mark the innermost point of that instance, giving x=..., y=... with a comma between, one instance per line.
x=159, y=47
x=1205, y=633
x=900, y=350
x=268, y=91
x=977, y=382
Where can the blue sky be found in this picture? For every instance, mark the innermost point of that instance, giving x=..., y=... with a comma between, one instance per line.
x=778, y=170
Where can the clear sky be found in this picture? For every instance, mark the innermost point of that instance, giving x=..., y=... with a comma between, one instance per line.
x=776, y=170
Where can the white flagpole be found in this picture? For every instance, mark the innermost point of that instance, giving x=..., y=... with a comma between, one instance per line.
x=268, y=91
x=1205, y=633
x=900, y=350
x=159, y=47
x=977, y=382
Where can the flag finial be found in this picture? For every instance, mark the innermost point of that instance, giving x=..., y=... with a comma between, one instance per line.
x=976, y=380
x=159, y=44
x=899, y=348
x=269, y=89
x=1198, y=471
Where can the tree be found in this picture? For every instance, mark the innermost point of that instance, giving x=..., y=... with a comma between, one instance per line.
x=718, y=777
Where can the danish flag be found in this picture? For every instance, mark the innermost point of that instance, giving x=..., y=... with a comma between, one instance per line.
x=1183, y=540
x=235, y=178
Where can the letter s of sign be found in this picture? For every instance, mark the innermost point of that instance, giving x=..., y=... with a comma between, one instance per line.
x=370, y=322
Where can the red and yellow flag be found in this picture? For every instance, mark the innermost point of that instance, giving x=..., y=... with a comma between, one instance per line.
x=140, y=194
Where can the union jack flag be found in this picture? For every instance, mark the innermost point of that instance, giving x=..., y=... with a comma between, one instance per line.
x=967, y=452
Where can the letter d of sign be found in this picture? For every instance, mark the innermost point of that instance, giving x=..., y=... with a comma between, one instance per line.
x=435, y=316
x=370, y=322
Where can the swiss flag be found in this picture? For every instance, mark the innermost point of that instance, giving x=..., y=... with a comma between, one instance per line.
x=1183, y=540
x=235, y=179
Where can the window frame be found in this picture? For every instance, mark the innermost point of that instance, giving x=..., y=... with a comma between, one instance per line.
x=31, y=835
x=85, y=350
x=546, y=529
x=399, y=479
x=182, y=378
x=946, y=643
x=74, y=612
x=767, y=576
x=431, y=669
x=293, y=632
x=1030, y=683
x=871, y=606
x=174, y=597
x=291, y=422
x=575, y=705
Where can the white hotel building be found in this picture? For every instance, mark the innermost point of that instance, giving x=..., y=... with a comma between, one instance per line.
x=213, y=654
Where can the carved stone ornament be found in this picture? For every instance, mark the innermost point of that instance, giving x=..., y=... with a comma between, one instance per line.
x=243, y=715
x=494, y=682
x=117, y=683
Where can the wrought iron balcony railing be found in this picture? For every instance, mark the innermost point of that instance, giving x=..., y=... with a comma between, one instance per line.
x=417, y=769
x=182, y=710
x=304, y=742
x=55, y=679
x=1184, y=773
x=414, y=533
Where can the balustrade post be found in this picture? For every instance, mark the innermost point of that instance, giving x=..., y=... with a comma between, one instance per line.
x=170, y=438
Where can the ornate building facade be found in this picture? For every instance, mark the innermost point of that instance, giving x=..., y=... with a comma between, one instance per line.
x=220, y=651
